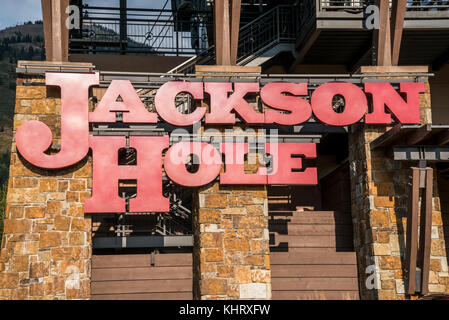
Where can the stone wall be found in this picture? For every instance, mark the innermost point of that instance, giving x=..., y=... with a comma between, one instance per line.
x=231, y=253
x=379, y=191
x=46, y=246
x=232, y=245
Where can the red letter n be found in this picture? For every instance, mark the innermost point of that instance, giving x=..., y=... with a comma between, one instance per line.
x=406, y=112
x=107, y=173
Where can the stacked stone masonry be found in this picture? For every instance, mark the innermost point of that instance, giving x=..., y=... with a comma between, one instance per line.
x=233, y=243
x=379, y=192
x=231, y=252
x=46, y=246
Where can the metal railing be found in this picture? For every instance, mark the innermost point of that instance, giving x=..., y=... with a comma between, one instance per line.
x=276, y=26
x=146, y=31
x=412, y=5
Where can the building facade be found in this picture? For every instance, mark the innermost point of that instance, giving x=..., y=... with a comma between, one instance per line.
x=372, y=226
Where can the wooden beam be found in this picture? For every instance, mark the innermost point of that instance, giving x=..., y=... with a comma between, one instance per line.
x=222, y=33
x=46, y=16
x=397, y=26
x=419, y=134
x=441, y=60
x=412, y=231
x=305, y=48
x=387, y=137
x=218, y=22
x=443, y=138
x=426, y=230
x=235, y=28
x=56, y=33
x=382, y=39
x=363, y=56
x=65, y=31
x=56, y=13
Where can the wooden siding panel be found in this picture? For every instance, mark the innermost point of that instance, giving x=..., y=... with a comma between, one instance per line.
x=134, y=277
x=146, y=296
x=141, y=286
x=334, y=271
x=141, y=260
x=318, y=262
x=141, y=273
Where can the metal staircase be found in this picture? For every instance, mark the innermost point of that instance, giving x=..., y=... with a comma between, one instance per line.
x=260, y=40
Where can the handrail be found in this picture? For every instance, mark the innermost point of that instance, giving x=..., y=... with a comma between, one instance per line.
x=259, y=18
x=411, y=5
x=148, y=31
x=263, y=32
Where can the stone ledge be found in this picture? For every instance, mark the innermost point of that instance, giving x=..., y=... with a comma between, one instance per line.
x=393, y=69
x=40, y=67
x=227, y=69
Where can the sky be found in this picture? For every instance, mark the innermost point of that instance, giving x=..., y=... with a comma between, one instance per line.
x=15, y=12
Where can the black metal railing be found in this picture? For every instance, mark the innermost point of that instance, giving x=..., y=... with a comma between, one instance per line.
x=276, y=26
x=412, y=5
x=140, y=31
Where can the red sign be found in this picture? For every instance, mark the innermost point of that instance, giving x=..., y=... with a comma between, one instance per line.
x=286, y=102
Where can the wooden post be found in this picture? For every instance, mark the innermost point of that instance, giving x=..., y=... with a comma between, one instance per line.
x=56, y=33
x=422, y=179
x=46, y=16
x=227, y=25
x=397, y=25
x=426, y=231
x=387, y=39
x=412, y=231
x=235, y=28
x=383, y=44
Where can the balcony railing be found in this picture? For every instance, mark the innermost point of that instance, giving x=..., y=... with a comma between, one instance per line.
x=273, y=27
x=144, y=31
x=412, y=5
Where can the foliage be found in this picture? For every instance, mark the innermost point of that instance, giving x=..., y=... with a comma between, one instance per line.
x=4, y=167
x=3, y=192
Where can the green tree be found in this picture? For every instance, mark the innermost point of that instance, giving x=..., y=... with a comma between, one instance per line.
x=3, y=193
x=5, y=159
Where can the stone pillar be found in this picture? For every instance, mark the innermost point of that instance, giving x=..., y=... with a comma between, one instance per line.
x=46, y=246
x=379, y=191
x=231, y=252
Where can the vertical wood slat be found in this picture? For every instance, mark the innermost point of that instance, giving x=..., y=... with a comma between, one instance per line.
x=218, y=25
x=397, y=25
x=382, y=36
x=226, y=57
x=56, y=22
x=412, y=231
x=46, y=16
x=64, y=31
x=235, y=28
x=227, y=27
x=426, y=230
x=56, y=33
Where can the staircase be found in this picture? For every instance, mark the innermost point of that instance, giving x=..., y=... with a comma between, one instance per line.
x=260, y=40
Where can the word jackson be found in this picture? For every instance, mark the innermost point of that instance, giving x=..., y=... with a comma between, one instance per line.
x=286, y=104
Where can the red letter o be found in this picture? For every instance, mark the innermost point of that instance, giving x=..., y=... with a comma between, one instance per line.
x=355, y=103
